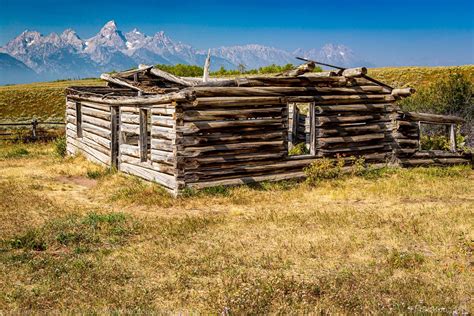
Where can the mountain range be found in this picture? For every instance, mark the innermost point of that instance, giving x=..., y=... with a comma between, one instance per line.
x=32, y=56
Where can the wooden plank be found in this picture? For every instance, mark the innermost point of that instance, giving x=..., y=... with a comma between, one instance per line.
x=231, y=147
x=165, y=121
x=350, y=139
x=248, y=179
x=330, y=109
x=282, y=91
x=328, y=120
x=437, y=161
x=192, y=127
x=130, y=118
x=234, y=101
x=431, y=118
x=105, y=115
x=162, y=144
x=163, y=156
x=207, y=115
x=182, y=96
x=96, y=106
x=96, y=130
x=130, y=150
x=149, y=174
x=351, y=130
x=90, y=152
x=344, y=99
x=227, y=159
x=153, y=165
x=96, y=121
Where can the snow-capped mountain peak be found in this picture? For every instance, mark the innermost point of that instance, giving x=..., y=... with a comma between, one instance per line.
x=66, y=55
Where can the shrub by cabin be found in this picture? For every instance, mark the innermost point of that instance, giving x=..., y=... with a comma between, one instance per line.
x=183, y=132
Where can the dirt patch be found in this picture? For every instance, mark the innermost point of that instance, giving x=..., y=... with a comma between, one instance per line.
x=78, y=180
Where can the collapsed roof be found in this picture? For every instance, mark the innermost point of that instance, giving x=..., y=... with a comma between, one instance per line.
x=151, y=80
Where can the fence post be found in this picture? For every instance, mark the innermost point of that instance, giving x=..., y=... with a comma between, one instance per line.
x=34, y=124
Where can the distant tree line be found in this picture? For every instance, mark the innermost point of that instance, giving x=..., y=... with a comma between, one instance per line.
x=196, y=71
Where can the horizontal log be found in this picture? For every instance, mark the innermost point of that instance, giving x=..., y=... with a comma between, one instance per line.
x=343, y=99
x=282, y=91
x=276, y=167
x=354, y=72
x=193, y=127
x=85, y=147
x=439, y=154
x=350, y=139
x=96, y=130
x=407, y=142
x=156, y=166
x=74, y=150
x=205, y=115
x=96, y=121
x=130, y=150
x=327, y=120
x=190, y=162
x=352, y=130
x=96, y=106
x=218, y=138
x=388, y=107
x=162, y=144
x=164, y=179
x=118, y=81
x=129, y=118
x=163, y=156
x=182, y=96
x=234, y=101
x=248, y=179
x=163, y=132
x=405, y=92
x=354, y=149
x=435, y=161
x=130, y=128
x=105, y=115
x=186, y=151
x=165, y=121
x=103, y=142
x=431, y=118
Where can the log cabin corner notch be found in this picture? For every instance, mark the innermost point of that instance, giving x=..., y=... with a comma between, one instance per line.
x=183, y=132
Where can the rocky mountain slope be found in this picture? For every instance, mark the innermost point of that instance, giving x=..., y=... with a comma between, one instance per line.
x=66, y=55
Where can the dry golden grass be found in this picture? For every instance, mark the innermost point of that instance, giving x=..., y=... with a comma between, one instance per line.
x=417, y=77
x=43, y=100
x=77, y=237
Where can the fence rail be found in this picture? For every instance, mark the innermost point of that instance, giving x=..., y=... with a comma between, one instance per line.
x=29, y=131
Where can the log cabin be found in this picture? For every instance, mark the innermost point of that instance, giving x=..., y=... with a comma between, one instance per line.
x=191, y=133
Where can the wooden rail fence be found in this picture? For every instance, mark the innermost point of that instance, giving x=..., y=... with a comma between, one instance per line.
x=30, y=131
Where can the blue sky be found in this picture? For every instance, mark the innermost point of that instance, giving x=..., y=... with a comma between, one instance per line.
x=383, y=32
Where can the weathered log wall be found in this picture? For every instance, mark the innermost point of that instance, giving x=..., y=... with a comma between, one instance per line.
x=159, y=165
x=223, y=140
x=240, y=134
x=95, y=142
x=407, y=146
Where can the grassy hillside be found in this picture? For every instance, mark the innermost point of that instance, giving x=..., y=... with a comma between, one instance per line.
x=46, y=100
x=77, y=238
x=417, y=77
